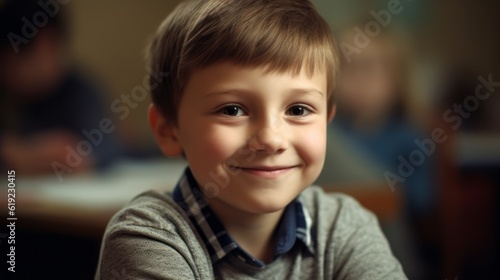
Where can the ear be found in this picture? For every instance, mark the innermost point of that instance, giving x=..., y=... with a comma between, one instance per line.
x=164, y=132
x=332, y=112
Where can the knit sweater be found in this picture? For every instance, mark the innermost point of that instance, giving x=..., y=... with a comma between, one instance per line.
x=151, y=238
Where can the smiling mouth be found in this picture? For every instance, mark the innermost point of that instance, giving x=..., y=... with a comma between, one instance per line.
x=265, y=171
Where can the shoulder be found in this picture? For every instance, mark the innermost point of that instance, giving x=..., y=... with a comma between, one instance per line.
x=336, y=216
x=152, y=236
x=152, y=210
x=333, y=206
x=153, y=215
x=348, y=237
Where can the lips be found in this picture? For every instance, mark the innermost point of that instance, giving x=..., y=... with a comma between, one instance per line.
x=265, y=168
x=265, y=171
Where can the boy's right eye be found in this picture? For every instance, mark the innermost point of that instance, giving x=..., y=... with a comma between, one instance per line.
x=232, y=111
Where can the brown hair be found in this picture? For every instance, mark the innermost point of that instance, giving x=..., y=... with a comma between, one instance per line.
x=283, y=35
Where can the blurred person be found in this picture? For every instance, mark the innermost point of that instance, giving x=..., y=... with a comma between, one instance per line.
x=376, y=127
x=377, y=113
x=46, y=101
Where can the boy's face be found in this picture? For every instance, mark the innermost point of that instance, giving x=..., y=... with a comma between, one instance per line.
x=253, y=141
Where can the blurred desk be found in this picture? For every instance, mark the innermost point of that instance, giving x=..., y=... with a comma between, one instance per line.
x=83, y=204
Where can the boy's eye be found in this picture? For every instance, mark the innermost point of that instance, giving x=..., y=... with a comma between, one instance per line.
x=233, y=111
x=298, y=111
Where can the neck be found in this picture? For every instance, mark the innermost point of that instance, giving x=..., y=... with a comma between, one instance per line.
x=253, y=232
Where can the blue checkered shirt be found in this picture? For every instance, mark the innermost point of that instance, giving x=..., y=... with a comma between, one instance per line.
x=294, y=226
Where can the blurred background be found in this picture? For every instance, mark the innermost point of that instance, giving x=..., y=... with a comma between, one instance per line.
x=416, y=138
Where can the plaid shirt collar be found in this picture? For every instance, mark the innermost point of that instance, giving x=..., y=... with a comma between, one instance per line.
x=294, y=226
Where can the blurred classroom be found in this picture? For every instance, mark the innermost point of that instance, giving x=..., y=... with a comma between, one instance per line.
x=416, y=138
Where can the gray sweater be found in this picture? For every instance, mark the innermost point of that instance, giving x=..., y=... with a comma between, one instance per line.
x=151, y=238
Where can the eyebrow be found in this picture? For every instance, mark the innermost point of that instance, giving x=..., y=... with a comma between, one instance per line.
x=294, y=91
x=307, y=91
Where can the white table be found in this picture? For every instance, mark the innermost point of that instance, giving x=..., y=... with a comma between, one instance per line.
x=83, y=204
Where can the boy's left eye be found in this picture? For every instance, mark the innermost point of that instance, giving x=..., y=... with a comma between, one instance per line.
x=298, y=111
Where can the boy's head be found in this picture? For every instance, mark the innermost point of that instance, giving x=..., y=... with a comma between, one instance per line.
x=247, y=98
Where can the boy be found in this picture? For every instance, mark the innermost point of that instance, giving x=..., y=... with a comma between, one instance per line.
x=246, y=102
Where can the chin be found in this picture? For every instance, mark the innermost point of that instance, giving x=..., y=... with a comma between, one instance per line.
x=268, y=206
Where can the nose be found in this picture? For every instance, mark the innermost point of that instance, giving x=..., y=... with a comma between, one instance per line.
x=270, y=136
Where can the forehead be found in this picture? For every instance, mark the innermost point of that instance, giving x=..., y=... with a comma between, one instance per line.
x=228, y=74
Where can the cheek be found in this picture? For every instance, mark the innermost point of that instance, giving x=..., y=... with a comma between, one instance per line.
x=311, y=145
x=209, y=144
